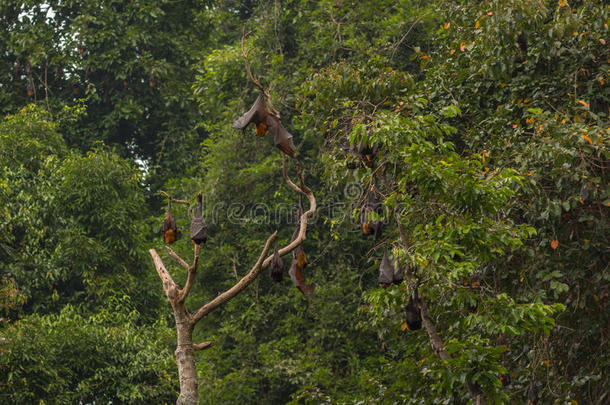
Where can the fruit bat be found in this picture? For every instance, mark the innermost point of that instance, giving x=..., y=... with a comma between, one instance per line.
x=412, y=315
x=584, y=194
x=388, y=273
x=255, y=115
x=370, y=227
x=281, y=138
x=475, y=280
x=502, y=340
x=367, y=154
x=532, y=394
x=277, y=266
x=170, y=230
x=30, y=88
x=198, y=227
x=505, y=379
x=296, y=274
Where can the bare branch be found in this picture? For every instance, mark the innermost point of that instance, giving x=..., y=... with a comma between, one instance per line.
x=174, y=200
x=169, y=286
x=190, y=278
x=175, y=256
x=254, y=80
x=303, y=220
x=203, y=345
x=238, y=287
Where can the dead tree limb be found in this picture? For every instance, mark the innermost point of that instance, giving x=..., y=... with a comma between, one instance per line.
x=253, y=79
x=186, y=321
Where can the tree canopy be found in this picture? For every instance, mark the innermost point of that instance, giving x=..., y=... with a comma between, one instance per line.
x=470, y=137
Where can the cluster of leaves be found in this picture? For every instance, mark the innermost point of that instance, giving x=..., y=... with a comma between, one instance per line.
x=69, y=358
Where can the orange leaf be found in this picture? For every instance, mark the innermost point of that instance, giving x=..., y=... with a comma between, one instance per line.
x=477, y=25
x=588, y=139
x=583, y=103
x=447, y=25
x=451, y=52
x=563, y=3
x=602, y=41
x=554, y=243
x=462, y=47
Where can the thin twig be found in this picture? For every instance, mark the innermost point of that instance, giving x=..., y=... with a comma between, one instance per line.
x=190, y=278
x=253, y=79
x=203, y=345
x=178, y=258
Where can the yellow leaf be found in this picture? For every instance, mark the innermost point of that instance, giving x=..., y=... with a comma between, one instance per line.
x=477, y=25
x=588, y=139
x=563, y=3
x=554, y=244
x=403, y=326
x=546, y=363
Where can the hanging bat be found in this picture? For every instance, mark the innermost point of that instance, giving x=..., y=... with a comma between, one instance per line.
x=277, y=266
x=412, y=315
x=281, y=138
x=296, y=274
x=388, y=273
x=30, y=88
x=255, y=115
x=199, y=229
x=475, y=280
x=170, y=230
x=372, y=203
x=505, y=379
x=367, y=153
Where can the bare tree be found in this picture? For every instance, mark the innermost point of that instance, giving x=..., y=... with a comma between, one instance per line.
x=186, y=320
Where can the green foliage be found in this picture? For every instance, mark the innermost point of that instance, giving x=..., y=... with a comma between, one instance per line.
x=73, y=226
x=491, y=120
x=67, y=358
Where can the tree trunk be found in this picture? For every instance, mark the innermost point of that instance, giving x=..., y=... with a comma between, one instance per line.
x=185, y=358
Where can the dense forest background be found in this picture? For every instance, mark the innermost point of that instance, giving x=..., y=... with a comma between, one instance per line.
x=492, y=128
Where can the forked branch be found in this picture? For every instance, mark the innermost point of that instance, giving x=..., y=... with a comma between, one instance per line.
x=253, y=79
